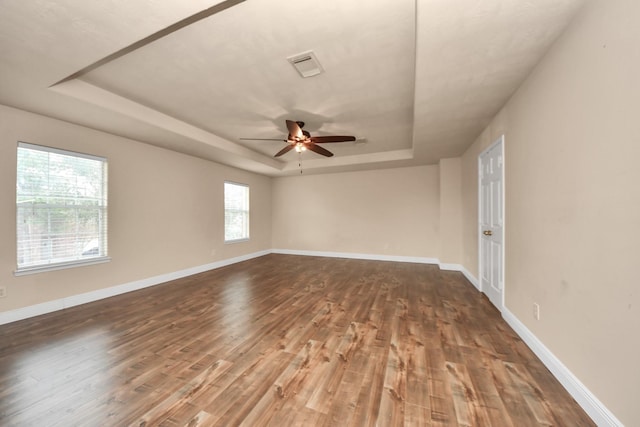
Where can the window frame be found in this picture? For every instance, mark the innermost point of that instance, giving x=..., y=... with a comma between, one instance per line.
x=50, y=264
x=247, y=212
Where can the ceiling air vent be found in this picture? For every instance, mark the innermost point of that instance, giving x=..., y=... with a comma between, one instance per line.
x=306, y=64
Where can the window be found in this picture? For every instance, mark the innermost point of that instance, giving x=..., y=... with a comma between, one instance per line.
x=236, y=212
x=61, y=200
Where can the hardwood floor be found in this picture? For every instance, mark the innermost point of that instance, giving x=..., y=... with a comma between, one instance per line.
x=282, y=340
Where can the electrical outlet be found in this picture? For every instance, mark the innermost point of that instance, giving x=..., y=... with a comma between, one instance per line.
x=536, y=311
x=3, y=291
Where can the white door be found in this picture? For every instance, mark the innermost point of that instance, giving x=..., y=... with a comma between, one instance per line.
x=491, y=215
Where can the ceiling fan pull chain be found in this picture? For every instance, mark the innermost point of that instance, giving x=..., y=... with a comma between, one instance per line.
x=300, y=161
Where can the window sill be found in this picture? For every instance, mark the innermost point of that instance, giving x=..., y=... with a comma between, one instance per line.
x=236, y=241
x=59, y=266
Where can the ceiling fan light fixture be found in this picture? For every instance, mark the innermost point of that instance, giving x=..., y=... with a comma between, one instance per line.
x=306, y=64
x=301, y=140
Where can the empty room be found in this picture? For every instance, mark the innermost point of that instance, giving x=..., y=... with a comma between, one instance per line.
x=336, y=213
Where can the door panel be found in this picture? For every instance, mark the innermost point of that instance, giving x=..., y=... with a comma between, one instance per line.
x=491, y=222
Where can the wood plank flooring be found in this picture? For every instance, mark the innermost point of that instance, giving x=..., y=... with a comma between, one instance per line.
x=285, y=341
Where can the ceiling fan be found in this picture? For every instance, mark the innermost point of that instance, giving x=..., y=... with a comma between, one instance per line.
x=301, y=140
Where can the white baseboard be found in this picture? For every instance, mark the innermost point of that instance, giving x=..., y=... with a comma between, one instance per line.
x=375, y=257
x=395, y=258
x=458, y=267
x=592, y=406
x=590, y=403
x=73, y=300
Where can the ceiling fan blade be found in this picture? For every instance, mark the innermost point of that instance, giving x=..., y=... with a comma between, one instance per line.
x=284, y=150
x=294, y=130
x=318, y=149
x=262, y=139
x=336, y=138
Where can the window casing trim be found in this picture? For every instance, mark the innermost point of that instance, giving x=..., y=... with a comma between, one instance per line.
x=247, y=212
x=47, y=149
x=60, y=266
x=237, y=240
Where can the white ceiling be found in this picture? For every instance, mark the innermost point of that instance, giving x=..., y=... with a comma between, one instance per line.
x=414, y=81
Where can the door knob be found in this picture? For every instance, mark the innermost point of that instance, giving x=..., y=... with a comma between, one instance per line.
x=487, y=232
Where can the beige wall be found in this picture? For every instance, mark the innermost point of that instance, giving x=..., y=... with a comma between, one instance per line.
x=165, y=210
x=450, y=211
x=573, y=201
x=572, y=143
x=383, y=212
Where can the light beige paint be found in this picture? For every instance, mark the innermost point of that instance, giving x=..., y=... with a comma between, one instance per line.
x=451, y=211
x=470, y=57
x=572, y=143
x=572, y=203
x=384, y=212
x=166, y=210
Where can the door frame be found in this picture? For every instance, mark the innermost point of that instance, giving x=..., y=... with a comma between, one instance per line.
x=500, y=142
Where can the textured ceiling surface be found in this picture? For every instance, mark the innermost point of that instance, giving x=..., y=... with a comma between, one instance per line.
x=414, y=81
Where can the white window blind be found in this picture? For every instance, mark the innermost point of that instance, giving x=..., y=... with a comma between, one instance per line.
x=236, y=212
x=61, y=199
